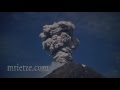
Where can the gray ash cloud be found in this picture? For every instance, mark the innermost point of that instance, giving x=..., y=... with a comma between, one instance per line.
x=59, y=40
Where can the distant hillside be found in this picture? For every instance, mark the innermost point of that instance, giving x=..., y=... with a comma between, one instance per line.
x=72, y=70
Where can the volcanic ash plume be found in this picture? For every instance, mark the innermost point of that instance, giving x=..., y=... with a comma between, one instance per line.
x=58, y=39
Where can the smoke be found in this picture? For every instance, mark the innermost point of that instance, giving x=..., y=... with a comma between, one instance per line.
x=59, y=40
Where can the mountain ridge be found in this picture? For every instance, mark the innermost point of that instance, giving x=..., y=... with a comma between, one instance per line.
x=73, y=70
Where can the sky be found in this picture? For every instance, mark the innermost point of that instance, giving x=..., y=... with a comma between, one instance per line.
x=98, y=33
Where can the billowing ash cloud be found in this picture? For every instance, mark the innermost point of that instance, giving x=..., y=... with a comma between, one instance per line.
x=58, y=39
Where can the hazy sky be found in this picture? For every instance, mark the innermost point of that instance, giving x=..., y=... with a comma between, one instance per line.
x=98, y=32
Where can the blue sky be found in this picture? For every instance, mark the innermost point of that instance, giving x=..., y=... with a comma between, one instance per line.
x=98, y=33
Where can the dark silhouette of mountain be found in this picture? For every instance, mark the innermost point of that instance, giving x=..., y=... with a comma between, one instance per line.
x=72, y=70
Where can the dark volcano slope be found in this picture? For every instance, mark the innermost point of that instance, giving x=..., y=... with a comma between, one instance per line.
x=72, y=70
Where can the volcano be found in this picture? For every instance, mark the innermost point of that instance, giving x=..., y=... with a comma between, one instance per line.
x=73, y=70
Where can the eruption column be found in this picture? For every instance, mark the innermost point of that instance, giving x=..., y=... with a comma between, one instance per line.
x=58, y=39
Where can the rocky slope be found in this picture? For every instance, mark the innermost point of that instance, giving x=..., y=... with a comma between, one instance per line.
x=72, y=70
